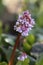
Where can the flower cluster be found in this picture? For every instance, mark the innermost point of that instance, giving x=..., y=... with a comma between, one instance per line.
x=22, y=57
x=24, y=23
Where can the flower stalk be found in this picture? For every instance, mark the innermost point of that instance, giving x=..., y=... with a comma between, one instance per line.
x=12, y=58
x=24, y=24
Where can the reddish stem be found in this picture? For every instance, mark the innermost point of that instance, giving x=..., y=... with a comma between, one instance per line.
x=14, y=50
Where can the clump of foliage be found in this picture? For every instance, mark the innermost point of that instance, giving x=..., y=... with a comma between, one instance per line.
x=7, y=41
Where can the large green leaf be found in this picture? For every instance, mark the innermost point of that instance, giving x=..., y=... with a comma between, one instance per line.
x=40, y=60
x=9, y=39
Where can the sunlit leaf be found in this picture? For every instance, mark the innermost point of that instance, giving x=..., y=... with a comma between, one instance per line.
x=3, y=63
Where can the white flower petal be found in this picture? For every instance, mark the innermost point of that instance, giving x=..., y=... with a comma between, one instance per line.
x=19, y=29
x=15, y=27
x=30, y=26
x=20, y=16
x=32, y=21
x=17, y=23
x=24, y=33
x=22, y=57
x=25, y=56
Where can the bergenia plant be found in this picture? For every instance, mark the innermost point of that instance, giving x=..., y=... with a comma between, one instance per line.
x=24, y=24
x=22, y=57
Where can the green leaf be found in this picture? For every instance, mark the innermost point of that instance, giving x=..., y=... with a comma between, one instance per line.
x=30, y=39
x=19, y=63
x=26, y=47
x=26, y=62
x=3, y=63
x=41, y=7
x=9, y=39
x=40, y=60
x=40, y=20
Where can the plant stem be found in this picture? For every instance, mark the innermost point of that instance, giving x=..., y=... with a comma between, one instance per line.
x=14, y=50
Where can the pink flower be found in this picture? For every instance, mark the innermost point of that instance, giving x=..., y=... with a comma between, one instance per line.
x=24, y=23
x=22, y=57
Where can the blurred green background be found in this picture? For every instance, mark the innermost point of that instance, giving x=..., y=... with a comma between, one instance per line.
x=9, y=10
